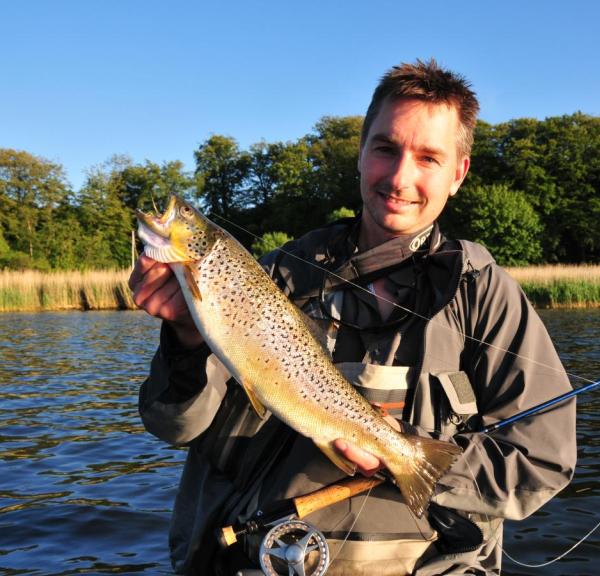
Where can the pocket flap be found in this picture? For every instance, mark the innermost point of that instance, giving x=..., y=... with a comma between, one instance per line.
x=459, y=391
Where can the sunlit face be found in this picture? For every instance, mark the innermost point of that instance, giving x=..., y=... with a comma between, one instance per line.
x=409, y=167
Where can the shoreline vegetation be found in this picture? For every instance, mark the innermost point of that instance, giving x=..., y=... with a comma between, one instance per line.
x=547, y=286
x=35, y=291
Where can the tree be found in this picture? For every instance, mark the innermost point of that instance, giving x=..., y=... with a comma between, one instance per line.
x=30, y=189
x=105, y=220
x=334, y=149
x=142, y=185
x=499, y=218
x=556, y=163
x=221, y=172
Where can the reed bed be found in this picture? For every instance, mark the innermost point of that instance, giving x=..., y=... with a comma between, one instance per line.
x=556, y=286
x=560, y=286
x=30, y=290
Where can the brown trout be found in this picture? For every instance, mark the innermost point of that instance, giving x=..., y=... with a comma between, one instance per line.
x=267, y=346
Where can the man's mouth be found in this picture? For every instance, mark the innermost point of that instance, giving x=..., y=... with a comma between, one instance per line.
x=398, y=200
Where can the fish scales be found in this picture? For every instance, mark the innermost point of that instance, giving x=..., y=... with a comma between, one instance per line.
x=263, y=340
x=246, y=307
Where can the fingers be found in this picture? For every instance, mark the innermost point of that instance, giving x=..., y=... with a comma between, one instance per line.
x=156, y=290
x=159, y=297
x=142, y=265
x=153, y=280
x=365, y=461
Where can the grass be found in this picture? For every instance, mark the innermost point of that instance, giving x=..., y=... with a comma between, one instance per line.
x=30, y=290
x=546, y=286
x=560, y=286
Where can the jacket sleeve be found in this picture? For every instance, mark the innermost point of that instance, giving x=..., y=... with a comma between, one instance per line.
x=513, y=366
x=182, y=394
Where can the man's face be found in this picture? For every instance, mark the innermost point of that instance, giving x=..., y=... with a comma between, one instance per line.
x=409, y=166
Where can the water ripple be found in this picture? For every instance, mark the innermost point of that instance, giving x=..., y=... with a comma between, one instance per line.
x=85, y=490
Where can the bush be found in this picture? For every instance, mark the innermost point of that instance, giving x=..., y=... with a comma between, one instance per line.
x=340, y=213
x=499, y=218
x=269, y=242
x=14, y=260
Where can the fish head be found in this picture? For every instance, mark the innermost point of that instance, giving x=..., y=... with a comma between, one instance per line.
x=180, y=234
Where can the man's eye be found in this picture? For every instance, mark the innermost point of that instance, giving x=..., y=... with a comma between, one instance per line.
x=429, y=160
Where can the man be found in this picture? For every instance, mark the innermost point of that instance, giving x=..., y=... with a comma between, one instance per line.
x=440, y=338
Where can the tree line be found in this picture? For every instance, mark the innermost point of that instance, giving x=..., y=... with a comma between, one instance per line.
x=532, y=194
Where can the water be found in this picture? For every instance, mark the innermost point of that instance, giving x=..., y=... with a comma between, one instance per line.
x=85, y=490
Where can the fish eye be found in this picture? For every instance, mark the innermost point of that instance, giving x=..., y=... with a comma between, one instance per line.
x=185, y=212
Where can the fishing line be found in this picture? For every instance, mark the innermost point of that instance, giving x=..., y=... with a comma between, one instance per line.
x=421, y=316
x=493, y=532
x=465, y=336
x=352, y=525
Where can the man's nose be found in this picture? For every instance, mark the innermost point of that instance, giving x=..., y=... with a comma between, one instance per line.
x=403, y=172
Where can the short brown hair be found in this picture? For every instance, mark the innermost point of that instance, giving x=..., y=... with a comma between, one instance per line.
x=428, y=82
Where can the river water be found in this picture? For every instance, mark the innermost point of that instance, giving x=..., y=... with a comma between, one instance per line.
x=85, y=490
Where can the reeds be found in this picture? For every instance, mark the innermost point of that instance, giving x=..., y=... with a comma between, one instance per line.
x=30, y=290
x=546, y=286
x=560, y=286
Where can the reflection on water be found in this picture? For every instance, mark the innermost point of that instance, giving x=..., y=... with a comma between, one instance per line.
x=567, y=518
x=84, y=489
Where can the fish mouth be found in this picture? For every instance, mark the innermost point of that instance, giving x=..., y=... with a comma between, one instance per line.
x=159, y=225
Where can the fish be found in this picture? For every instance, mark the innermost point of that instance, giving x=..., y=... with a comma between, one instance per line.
x=267, y=345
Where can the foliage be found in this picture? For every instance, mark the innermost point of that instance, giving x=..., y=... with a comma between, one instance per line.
x=532, y=194
x=30, y=188
x=556, y=164
x=340, y=213
x=563, y=293
x=268, y=242
x=499, y=218
x=221, y=170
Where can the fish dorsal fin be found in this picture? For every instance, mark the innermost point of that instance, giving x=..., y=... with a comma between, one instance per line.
x=254, y=401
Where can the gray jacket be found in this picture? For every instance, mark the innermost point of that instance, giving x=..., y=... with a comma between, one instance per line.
x=484, y=355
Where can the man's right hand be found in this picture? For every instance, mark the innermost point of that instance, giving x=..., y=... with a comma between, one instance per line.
x=157, y=291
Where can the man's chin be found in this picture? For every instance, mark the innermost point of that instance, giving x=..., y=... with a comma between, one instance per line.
x=396, y=225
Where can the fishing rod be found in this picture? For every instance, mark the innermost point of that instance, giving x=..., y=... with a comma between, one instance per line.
x=539, y=407
x=290, y=540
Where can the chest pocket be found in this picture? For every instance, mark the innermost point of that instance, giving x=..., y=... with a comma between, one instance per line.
x=443, y=403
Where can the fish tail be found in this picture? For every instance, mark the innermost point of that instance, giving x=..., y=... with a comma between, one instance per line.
x=416, y=477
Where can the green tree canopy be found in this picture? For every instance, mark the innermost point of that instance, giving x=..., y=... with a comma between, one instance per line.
x=31, y=187
x=221, y=172
x=268, y=242
x=499, y=218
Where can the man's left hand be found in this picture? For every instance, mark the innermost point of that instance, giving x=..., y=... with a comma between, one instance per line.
x=367, y=463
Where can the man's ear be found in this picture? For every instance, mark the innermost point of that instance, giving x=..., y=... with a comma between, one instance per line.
x=462, y=168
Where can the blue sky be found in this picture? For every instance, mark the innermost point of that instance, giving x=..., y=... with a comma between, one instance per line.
x=85, y=79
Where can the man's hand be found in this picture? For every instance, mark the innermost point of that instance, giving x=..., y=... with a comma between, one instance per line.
x=367, y=463
x=157, y=291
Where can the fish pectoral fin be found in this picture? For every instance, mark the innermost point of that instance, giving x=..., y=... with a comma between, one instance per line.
x=188, y=272
x=340, y=461
x=254, y=401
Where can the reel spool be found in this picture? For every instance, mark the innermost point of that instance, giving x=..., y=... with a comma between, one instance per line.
x=294, y=548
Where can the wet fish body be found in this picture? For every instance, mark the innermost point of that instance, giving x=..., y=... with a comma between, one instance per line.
x=263, y=340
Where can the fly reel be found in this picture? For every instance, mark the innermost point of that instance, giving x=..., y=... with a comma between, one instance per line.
x=294, y=548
